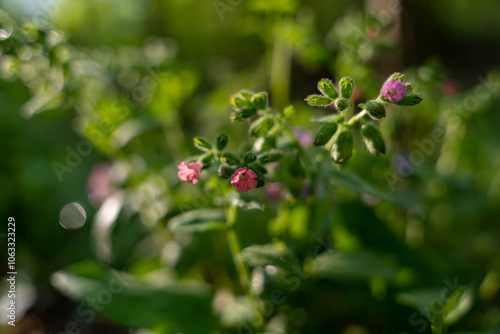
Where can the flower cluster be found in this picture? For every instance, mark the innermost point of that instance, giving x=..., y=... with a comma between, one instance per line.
x=335, y=133
x=246, y=170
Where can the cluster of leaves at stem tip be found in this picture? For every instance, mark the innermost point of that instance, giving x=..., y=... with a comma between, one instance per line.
x=336, y=132
x=247, y=169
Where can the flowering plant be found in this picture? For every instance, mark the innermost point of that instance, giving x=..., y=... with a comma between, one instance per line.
x=272, y=138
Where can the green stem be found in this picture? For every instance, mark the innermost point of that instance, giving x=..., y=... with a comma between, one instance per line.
x=356, y=118
x=234, y=246
x=281, y=60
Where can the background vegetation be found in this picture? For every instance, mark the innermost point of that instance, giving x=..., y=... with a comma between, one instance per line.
x=139, y=79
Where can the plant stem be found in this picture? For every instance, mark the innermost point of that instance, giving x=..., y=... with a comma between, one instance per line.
x=234, y=246
x=356, y=118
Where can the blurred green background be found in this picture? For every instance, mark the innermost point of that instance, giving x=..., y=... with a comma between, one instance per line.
x=139, y=79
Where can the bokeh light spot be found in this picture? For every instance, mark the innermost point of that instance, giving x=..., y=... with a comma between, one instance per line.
x=72, y=216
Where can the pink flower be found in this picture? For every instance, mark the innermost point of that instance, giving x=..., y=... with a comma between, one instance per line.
x=189, y=172
x=394, y=90
x=244, y=179
x=274, y=191
x=99, y=184
x=305, y=138
x=450, y=87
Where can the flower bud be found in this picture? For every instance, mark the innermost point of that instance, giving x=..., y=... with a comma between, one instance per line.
x=410, y=100
x=346, y=85
x=373, y=138
x=207, y=158
x=342, y=148
x=268, y=157
x=325, y=133
x=230, y=159
x=221, y=141
x=225, y=171
x=318, y=100
x=261, y=126
x=243, y=113
x=375, y=109
x=264, y=144
x=341, y=104
x=249, y=157
x=241, y=99
x=409, y=87
x=289, y=111
x=259, y=101
x=202, y=144
x=326, y=87
x=396, y=76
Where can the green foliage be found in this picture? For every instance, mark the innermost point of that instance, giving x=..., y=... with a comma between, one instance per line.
x=198, y=221
x=162, y=309
x=370, y=242
x=351, y=266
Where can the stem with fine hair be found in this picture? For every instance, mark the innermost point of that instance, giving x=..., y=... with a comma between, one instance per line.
x=234, y=246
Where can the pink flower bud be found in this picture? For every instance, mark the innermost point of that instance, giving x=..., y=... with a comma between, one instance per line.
x=244, y=179
x=394, y=90
x=189, y=172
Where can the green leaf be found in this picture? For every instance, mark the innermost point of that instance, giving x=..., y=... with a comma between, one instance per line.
x=271, y=254
x=326, y=87
x=354, y=182
x=202, y=220
x=347, y=266
x=263, y=144
x=202, y=144
x=419, y=299
x=409, y=87
x=245, y=201
x=346, y=85
x=137, y=304
x=261, y=126
x=325, y=133
x=437, y=321
x=319, y=100
x=221, y=141
x=458, y=304
x=441, y=306
x=410, y=99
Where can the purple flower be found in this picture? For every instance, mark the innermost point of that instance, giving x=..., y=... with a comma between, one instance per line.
x=304, y=137
x=394, y=90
